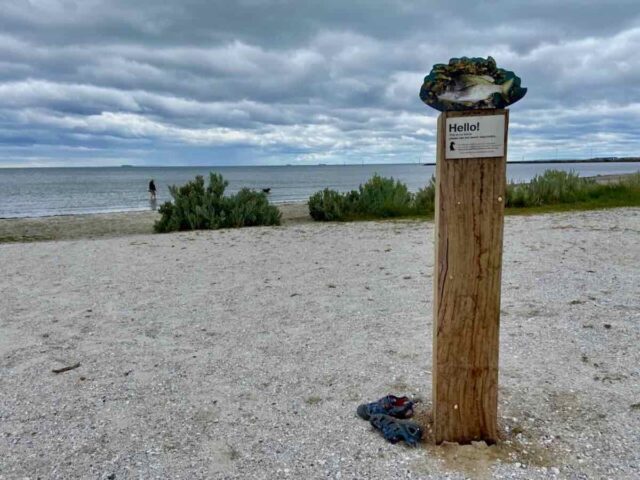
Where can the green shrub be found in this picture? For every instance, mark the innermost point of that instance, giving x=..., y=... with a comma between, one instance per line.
x=552, y=187
x=249, y=208
x=558, y=188
x=379, y=197
x=383, y=197
x=195, y=207
x=424, y=201
x=516, y=196
x=328, y=205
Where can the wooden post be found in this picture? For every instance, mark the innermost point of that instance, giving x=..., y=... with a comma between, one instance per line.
x=470, y=197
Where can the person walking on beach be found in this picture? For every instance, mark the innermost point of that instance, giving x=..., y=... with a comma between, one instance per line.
x=152, y=190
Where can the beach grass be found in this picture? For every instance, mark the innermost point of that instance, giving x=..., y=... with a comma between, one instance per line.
x=552, y=191
x=611, y=199
x=557, y=187
x=558, y=191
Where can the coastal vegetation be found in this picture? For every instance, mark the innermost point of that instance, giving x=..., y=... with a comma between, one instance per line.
x=196, y=206
x=560, y=190
x=541, y=195
x=553, y=190
x=379, y=197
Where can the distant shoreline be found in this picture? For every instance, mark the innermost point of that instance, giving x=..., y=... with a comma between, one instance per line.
x=591, y=160
x=116, y=224
x=511, y=162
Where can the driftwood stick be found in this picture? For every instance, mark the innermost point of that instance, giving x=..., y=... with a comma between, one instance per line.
x=66, y=369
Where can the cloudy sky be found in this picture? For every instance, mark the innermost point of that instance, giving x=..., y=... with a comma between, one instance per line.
x=195, y=82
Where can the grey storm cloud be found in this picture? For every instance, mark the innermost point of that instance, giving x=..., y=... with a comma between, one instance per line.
x=257, y=81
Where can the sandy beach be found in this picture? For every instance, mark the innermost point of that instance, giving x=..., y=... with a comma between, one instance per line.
x=244, y=353
x=96, y=225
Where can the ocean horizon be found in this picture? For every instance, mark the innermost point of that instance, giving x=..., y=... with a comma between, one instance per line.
x=53, y=191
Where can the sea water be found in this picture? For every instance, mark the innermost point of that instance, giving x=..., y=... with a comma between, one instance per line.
x=34, y=192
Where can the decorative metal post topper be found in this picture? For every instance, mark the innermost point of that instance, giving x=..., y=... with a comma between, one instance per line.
x=470, y=84
x=472, y=94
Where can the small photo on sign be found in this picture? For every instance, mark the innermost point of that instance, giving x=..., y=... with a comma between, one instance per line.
x=475, y=137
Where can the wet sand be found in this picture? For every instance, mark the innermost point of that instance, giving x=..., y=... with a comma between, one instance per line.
x=69, y=227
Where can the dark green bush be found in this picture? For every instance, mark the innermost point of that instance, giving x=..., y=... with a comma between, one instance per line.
x=379, y=197
x=383, y=197
x=249, y=208
x=424, y=201
x=195, y=207
x=328, y=205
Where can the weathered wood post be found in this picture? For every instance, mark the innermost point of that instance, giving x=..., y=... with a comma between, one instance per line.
x=470, y=192
x=469, y=218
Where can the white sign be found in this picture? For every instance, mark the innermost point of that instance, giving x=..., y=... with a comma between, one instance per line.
x=475, y=137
